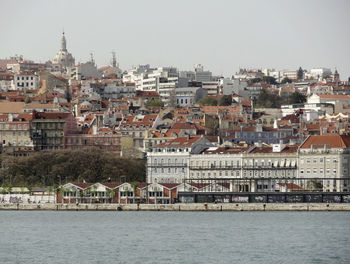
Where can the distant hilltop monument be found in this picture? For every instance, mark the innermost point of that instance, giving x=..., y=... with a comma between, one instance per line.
x=63, y=57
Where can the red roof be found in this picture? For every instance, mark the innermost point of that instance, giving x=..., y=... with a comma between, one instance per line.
x=334, y=96
x=170, y=185
x=180, y=142
x=330, y=141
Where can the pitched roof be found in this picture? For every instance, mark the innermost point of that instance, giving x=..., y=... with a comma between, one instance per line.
x=334, y=96
x=330, y=141
x=11, y=107
x=180, y=142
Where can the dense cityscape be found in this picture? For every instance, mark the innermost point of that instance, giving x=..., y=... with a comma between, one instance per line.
x=176, y=132
x=147, y=134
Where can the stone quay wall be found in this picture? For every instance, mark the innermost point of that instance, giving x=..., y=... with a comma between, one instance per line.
x=182, y=207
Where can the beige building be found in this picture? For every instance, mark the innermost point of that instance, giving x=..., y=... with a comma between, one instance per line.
x=327, y=158
x=15, y=135
x=246, y=167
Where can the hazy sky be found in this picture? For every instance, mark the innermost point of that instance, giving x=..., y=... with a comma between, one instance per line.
x=221, y=35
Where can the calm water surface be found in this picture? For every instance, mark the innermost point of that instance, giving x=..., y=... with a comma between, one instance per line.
x=174, y=237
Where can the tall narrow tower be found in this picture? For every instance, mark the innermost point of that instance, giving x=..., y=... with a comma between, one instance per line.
x=63, y=43
x=113, y=60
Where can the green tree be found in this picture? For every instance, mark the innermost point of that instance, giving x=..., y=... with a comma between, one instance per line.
x=255, y=80
x=208, y=101
x=286, y=80
x=155, y=103
x=297, y=98
x=269, y=80
x=268, y=100
x=225, y=100
x=42, y=168
x=300, y=74
x=28, y=100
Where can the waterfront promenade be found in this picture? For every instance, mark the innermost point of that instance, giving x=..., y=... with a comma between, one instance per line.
x=183, y=207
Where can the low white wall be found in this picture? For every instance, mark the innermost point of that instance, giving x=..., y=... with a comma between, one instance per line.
x=26, y=198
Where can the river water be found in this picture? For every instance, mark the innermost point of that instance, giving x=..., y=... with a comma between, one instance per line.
x=174, y=237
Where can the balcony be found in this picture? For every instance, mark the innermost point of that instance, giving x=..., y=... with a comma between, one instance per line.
x=163, y=165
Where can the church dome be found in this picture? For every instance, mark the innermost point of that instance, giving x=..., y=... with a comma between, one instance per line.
x=63, y=57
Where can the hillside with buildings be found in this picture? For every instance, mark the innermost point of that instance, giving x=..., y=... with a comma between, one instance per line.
x=261, y=130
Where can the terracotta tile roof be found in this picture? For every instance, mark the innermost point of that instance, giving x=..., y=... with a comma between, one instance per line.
x=38, y=105
x=111, y=185
x=11, y=107
x=147, y=93
x=216, y=109
x=168, y=134
x=24, y=116
x=330, y=141
x=137, y=121
x=82, y=185
x=169, y=185
x=180, y=142
x=313, y=127
x=334, y=96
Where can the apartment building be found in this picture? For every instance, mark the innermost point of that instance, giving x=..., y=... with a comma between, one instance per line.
x=26, y=81
x=245, y=167
x=327, y=157
x=15, y=134
x=48, y=129
x=168, y=162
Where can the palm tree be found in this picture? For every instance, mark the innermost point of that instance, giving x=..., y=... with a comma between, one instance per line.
x=62, y=190
x=111, y=194
x=95, y=190
x=87, y=192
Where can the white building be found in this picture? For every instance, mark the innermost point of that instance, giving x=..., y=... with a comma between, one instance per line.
x=84, y=71
x=201, y=75
x=6, y=81
x=114, y=91
x=320, y=73
x=149, y=79
x=26, y=81
x=327, y=157
x=212, y=88
x=188, y=96
x=169, y=161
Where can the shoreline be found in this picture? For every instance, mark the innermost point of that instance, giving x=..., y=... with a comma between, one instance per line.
x=182, y=207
